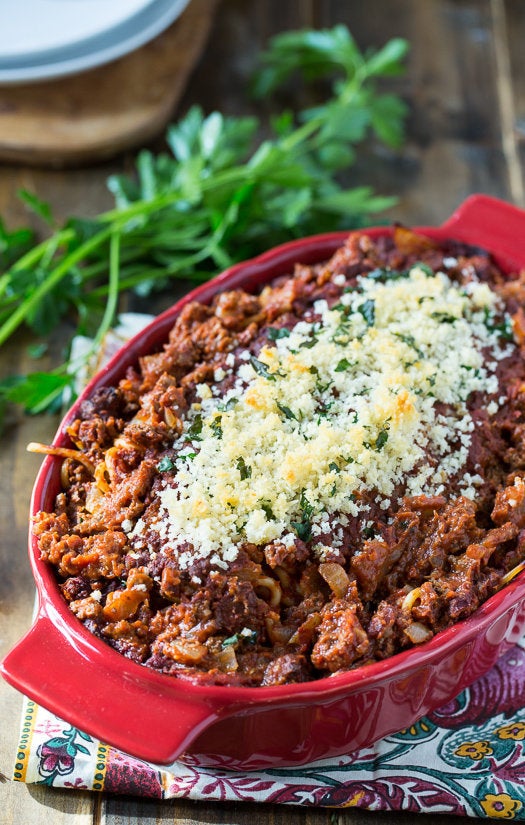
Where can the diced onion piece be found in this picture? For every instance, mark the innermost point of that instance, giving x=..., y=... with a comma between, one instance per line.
x=172, y=420
x=277, y=633
x=335, y=577
x=227, y=660
x=305, y=630
x=94, y=498
x=186, y=652
x=101, y=473
x=418, y=633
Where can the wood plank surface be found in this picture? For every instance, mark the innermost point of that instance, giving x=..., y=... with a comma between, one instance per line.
x=127, y=811
x=466, y=132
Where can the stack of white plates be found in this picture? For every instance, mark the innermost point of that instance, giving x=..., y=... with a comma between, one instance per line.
x=43, y=39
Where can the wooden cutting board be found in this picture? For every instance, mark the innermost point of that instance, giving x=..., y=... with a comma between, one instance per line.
x=98, y=113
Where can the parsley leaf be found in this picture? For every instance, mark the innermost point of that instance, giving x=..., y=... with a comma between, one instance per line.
x=37, y=391
x=368, y=311
x=381, y=440
x=286, y=411
x=274, y=333
x=195, y=429
x=216, y=426
x=263, y=369
x=266, y=508
x=342, y=365
x=244, y=469
x=503, y=328
x=303, y=528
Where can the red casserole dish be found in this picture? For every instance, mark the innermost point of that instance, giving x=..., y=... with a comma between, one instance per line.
x=62, y=666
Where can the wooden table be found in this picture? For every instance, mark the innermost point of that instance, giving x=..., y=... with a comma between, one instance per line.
x=465, y=86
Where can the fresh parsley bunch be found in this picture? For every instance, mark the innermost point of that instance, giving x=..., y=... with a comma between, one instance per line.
x=220, y=195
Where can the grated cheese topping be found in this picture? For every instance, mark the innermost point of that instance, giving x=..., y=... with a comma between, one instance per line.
x=366, y=395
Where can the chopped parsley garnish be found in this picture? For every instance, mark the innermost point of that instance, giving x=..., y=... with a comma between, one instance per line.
x=270, y=515
x=379, y=443
x=379, y=275
x=216, y=426
x=229, y=405
x=263, y=369
x=303, y=528
x=424, y=268
x=504, y=328
x=165, y=464
x=246, y=635
x=343, y=365
x=195, y=430
x=381, y=440
x=274, y=333
x=325, y=406
x=410, y=341
x=344, y=309
x=309, y=344
x=286, y=411
x=368, y=311
x=444, y=317
x=244, y=469
x=383, y=275
x=341, y=336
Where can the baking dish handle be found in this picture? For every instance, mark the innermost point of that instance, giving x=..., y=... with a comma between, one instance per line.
x=492, y=224
x=73, y=681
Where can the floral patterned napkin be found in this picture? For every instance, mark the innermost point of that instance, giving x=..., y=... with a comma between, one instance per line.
x=465, y=758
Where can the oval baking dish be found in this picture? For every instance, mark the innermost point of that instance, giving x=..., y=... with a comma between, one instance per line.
x=62, y=666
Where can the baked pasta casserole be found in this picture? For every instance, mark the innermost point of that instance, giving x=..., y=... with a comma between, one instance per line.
x=304, y=480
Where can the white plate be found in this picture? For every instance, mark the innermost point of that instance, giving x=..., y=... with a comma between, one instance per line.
x=30, y=27
x=44, y=39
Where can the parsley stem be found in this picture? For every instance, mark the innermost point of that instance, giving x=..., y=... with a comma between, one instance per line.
x=301, y=134
x=180, y=268
x=4, y=283
x=32, y=257
x=113, y=289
